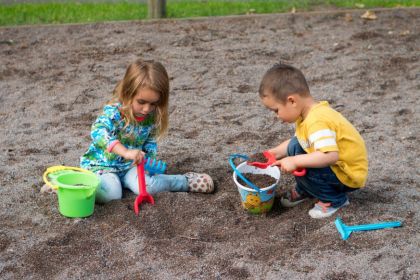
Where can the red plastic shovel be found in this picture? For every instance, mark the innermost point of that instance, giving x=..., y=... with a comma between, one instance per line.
x=270, y=160
x=143, y=194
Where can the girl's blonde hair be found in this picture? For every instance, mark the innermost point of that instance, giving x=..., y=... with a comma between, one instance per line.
x=144, y=74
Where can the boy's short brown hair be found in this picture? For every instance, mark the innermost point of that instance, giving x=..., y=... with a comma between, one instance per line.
x=282, y=80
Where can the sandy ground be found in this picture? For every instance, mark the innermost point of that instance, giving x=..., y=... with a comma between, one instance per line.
x=55, y=79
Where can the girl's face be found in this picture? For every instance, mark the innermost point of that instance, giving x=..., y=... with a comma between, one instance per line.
x=144, y=102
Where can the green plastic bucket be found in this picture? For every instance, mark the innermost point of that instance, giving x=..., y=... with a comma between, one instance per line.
x=76, y=194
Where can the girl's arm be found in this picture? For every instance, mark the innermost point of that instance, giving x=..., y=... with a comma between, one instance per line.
x=150, y=145
x=135, y=155
x=103, y=131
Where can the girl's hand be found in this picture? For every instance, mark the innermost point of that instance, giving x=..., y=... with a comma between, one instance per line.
x=286, y=164
x=135, y=155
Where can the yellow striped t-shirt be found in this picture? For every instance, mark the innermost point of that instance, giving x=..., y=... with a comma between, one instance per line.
x=326, y=130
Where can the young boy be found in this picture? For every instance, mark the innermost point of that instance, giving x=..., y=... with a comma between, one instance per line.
x=325, y=143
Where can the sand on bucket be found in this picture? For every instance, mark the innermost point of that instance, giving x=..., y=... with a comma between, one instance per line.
x=260, y=200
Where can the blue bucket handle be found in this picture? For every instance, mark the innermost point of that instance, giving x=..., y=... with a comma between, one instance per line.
x=239, y=174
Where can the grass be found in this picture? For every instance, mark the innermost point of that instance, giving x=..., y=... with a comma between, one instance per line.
x=30, y=13
x=74, y=12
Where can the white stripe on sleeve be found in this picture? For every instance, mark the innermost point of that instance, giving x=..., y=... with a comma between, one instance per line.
x=327, y=133
x=324, y=143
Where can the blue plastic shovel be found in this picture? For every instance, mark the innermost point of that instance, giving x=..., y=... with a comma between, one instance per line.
x=345, y=230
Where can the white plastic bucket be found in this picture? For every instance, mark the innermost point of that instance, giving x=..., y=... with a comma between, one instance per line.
x=257, y=202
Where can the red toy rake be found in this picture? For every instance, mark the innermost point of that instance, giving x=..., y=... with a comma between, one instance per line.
x=143, y=194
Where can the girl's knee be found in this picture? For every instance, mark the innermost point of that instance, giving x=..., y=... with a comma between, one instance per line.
x=106, y=196
x=109, y=188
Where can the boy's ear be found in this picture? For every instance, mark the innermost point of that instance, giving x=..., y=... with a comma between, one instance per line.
x=291, y=99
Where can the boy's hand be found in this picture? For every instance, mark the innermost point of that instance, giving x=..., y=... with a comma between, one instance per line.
x=135, y=155
x=286, y=164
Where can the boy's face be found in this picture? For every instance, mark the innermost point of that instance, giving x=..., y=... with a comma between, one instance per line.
x=287, y=112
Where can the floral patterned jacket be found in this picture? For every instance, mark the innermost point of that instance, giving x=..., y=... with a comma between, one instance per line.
x=109, y=129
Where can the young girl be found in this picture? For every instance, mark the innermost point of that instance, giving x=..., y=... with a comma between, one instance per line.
x=127, y=131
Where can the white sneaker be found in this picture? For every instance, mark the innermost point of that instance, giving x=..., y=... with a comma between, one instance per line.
x=324, y=210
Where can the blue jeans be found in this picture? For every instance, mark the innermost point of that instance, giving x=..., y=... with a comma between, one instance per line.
x=321, y=183
x=112, y=184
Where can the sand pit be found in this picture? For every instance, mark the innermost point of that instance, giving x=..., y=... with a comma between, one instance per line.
x=55, y=79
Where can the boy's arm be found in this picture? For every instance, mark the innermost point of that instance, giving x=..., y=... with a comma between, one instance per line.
x=281, y=150
x=316, y=159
